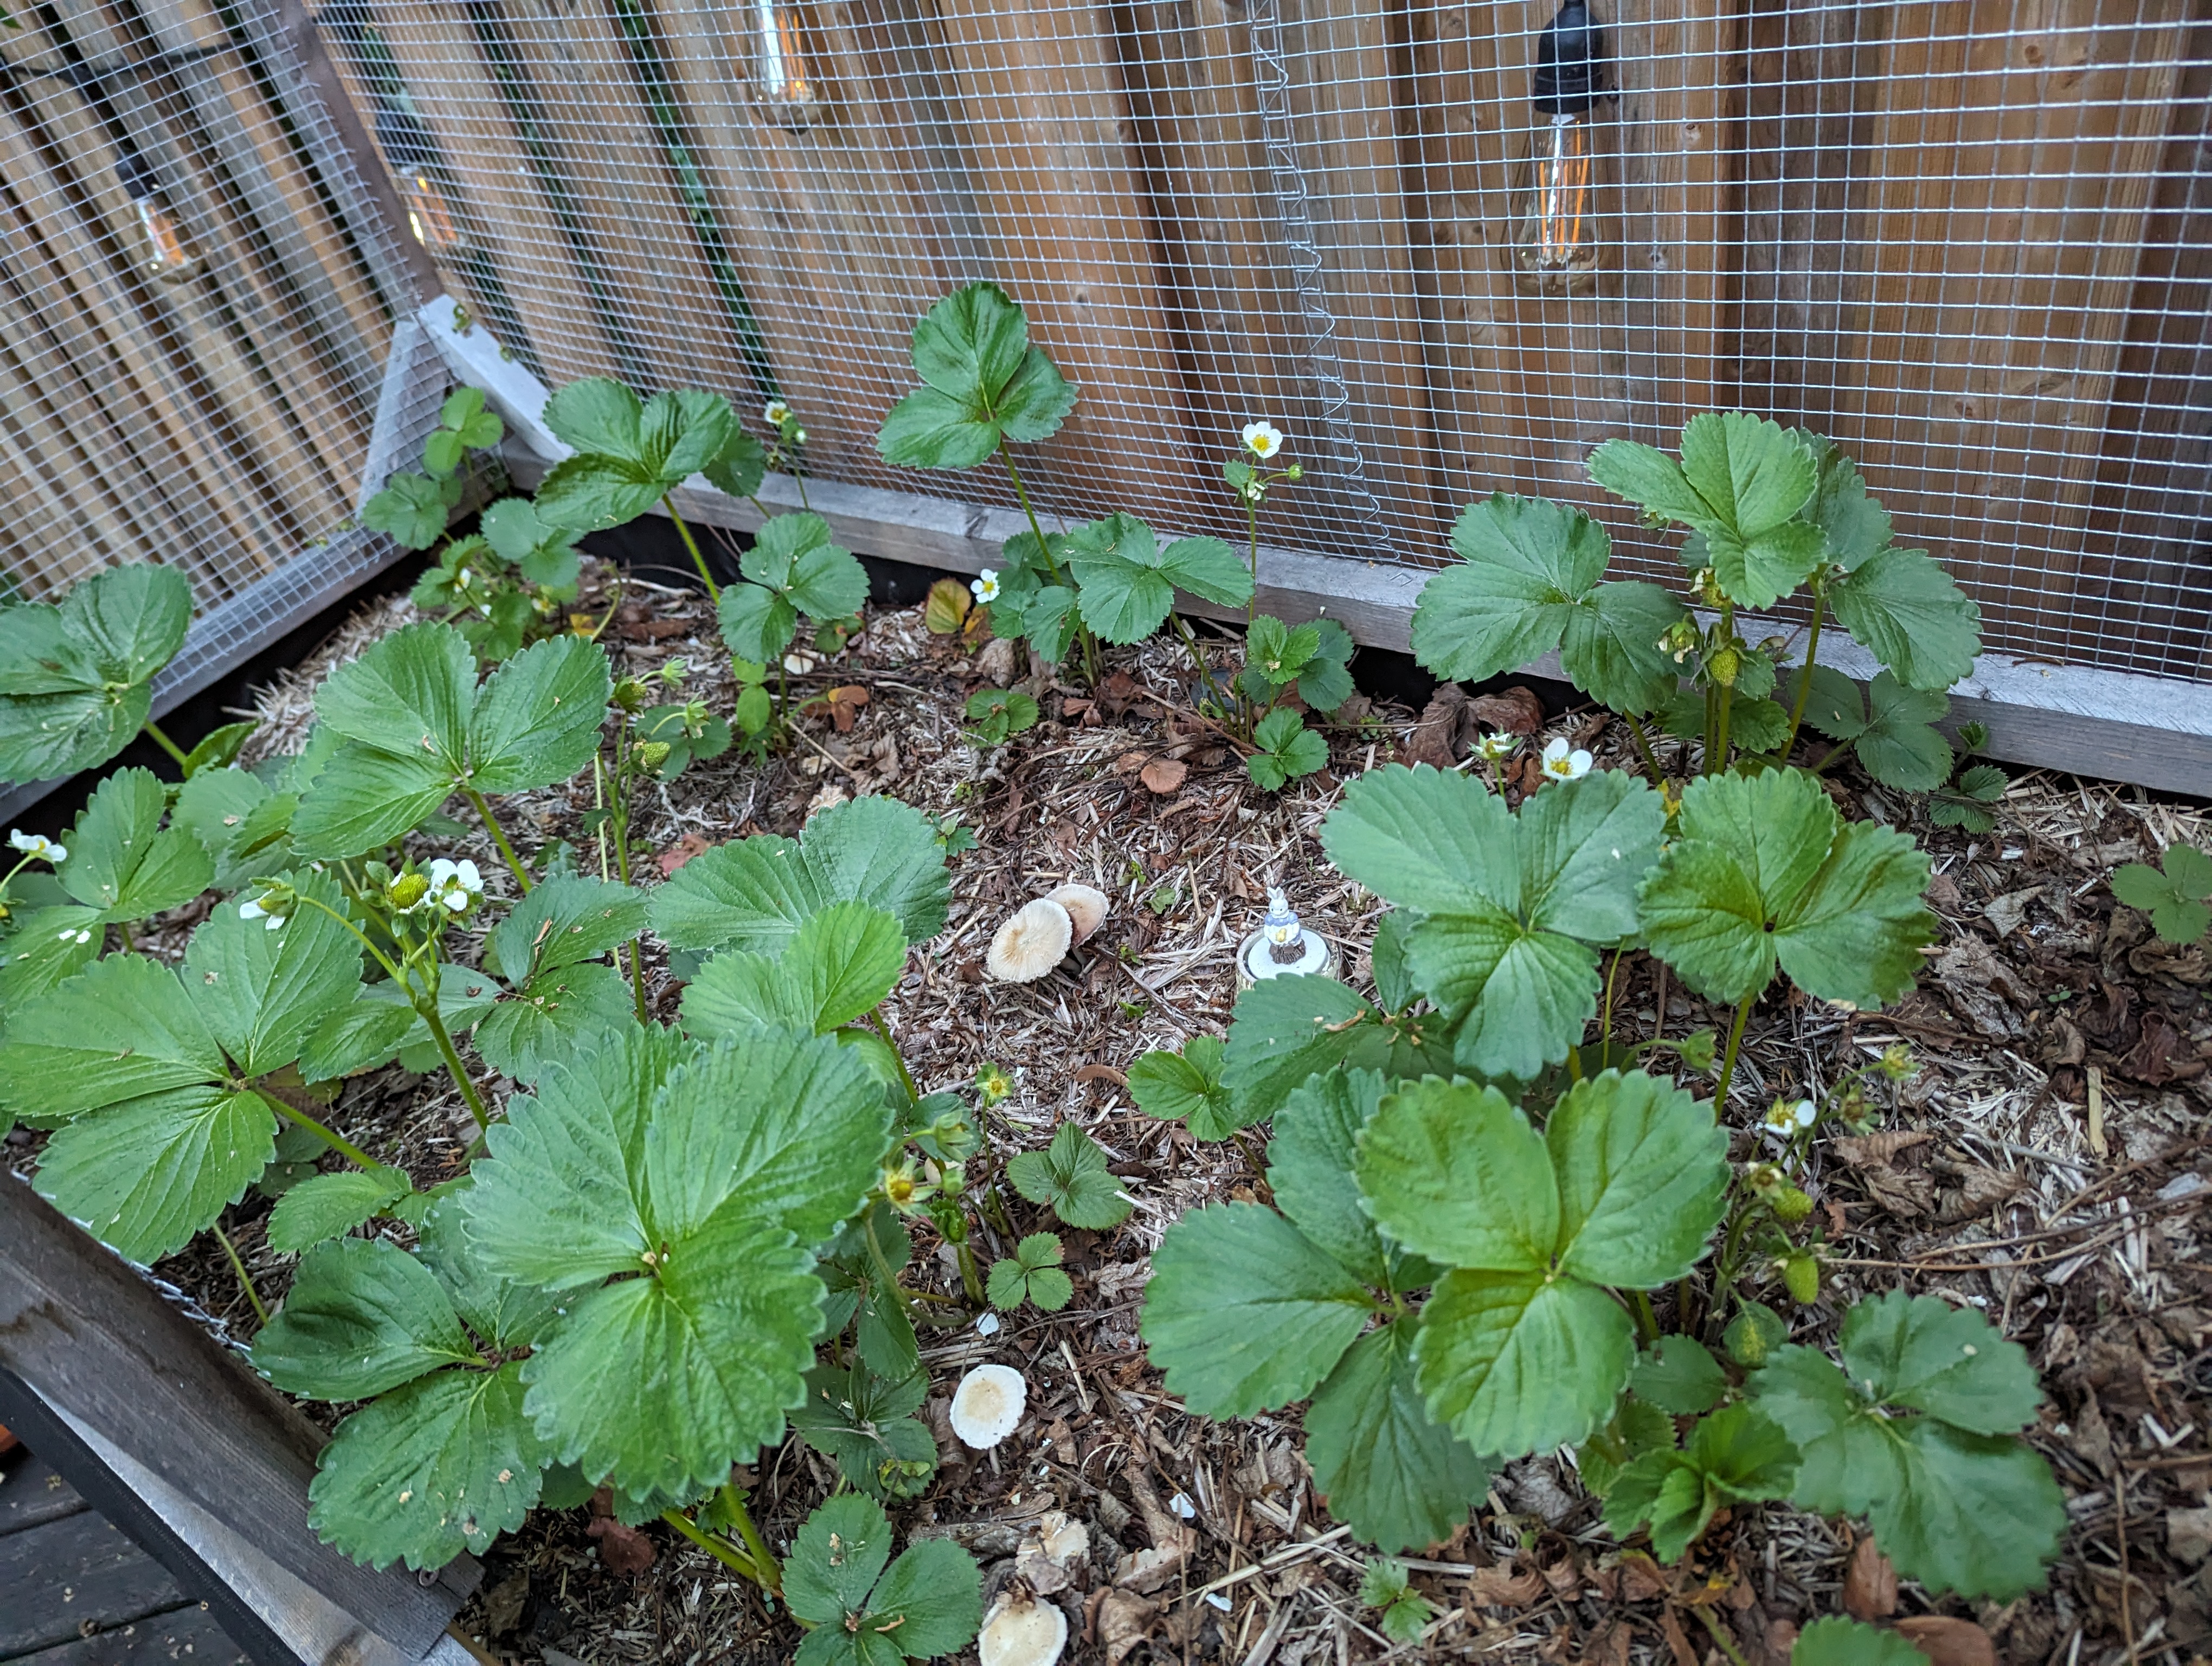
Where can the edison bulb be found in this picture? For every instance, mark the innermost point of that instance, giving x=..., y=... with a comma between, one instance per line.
x=1556, y=243
x=784, y=76
x=169, y=253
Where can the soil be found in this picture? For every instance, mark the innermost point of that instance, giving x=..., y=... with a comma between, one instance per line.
x=2045, y=1167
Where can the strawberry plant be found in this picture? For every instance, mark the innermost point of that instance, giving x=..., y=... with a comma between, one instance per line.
x=864, y=1423
x=2177, y=895
x=1031, y=1274
x=415, y=729
x=76, y=676
x=862, y=1612
x=630, y=454
x=1070, y=1177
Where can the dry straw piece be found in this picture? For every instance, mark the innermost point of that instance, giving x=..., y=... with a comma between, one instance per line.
x=1030, y=944
x=1087, y=907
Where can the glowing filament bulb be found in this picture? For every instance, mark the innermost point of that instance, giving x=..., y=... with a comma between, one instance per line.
x=1555, y=233
x=169, y=253
x=783, y=70
x=429, y=215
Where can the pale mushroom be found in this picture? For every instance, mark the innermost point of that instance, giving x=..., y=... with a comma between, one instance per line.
x=987, y=1405
x=1022, y=1632
x=1051, y=1551
x=1030, y=944
x=1086, y=907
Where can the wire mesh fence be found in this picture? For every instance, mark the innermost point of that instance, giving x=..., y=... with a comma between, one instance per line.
x=195, y=306
x=1969, y=240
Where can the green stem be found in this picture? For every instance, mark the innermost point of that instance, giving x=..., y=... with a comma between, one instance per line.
x=1197, y=656
x=260, y=1313
x=620, y=817
x=1805, y=682
x=906, y=1077
x=771, y=1572
x=971, y=1274
x=713, y=590
x=798, y=475
x=1252, y=525
x=165, y=743
x=1251, y=1155
x=1036, y=528
x=1647, y=1322
x=1644, y=745
x=1716, y=761
x=338, y=1143
x=706, y=1541
x=1728, y=1064
x=1832, y=755
x=498, y=836
x=384, y=960
x=1720, y=1636
x=452, y=1055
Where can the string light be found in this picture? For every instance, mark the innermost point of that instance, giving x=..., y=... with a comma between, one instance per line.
x=169, y=253
x=790, y=92
x=418, y=174
x=1555, y=235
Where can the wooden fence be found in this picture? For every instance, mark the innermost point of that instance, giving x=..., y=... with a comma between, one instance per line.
x=1968, y=239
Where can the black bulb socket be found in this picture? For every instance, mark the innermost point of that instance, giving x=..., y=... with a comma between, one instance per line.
x=1570, y=55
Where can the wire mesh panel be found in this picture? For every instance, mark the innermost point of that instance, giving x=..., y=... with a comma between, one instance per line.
x=1967, y=239
x=194, y=311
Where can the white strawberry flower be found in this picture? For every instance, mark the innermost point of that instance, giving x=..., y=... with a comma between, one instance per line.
x=1262, y=439
x=456, y=886
x=1497, y=748
x=269, y=906
x=1564, y=762
x=775, y=413
x=985, y=584
x=38, y=847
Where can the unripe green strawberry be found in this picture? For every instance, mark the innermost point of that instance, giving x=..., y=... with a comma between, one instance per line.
x=1802, y=1273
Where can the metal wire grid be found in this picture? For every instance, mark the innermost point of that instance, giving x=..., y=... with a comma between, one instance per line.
x=213, y=415
x=1970, y=243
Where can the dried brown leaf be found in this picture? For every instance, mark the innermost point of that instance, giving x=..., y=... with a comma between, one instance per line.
x=1948, y=1641
x=1163, y=775
x=1870, y=1582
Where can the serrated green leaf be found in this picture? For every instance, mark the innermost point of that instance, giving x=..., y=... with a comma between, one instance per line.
x=440, y=1465
x=123, y=1029
x=1452, y=1170
x=794, y=561
x=1735, y=1456
x=1903, y=607
x=1765, y=872
x=407, y=693
x=841, y=964
x=747, y=1154
x=565, y=919
x=1185, y=1087
x=1244, y=1314
x=1836, y=1641
x=1285, y=1029
x=537, y=719
x=1741, y=481
x=1509, y=904
x=1288, y=750
x=123, y=861
x=1949, y=1362
x=1833, y=705
x=863, y=1422
x=324, y=1206
x=1516, y=1362
x=840, y=1553
x=263, y=993
x=75, y=678
x=1966, y=1509
x=1638, y=1427
x=362, y=1317
x=1642, y=1173
x=218, y=748
x=551, y=1015
x=982, y=378
x=1527, y=566
x=755, y=893
x=1400, y=1478
x=1310, y=1163
x=1071, y=1177
x=1679, y=1374
x=144, y=1175
x=49, y=946
x=1899, y=747
x=412, y=509
x=2175, y=899
x=1855, y=525
x=931, y=1602
x=1126, y=582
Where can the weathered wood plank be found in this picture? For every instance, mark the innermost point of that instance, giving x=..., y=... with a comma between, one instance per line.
x=74, y=1572
x=182, y=1637
x=95, y=1343
x=32, y=1492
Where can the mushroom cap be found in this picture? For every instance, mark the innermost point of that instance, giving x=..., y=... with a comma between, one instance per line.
x=1087, y=907
x=988, y=1404
x=1031, y=943
x=1030, y=1633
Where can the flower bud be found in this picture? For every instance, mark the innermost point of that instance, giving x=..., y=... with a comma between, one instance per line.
x=1898, y=1063
x=1294, y=472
